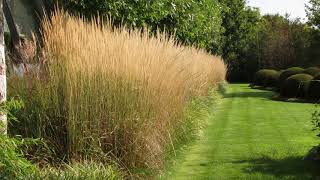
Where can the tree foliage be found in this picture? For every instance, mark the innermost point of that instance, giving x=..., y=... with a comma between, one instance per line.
x=240, y=24
x=193, y=22
x=313, y=12
x=281, y=42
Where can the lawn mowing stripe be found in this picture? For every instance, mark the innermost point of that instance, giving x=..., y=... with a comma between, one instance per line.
x=251, y=137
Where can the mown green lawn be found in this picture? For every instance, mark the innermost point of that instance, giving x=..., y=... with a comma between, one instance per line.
x=250, y=136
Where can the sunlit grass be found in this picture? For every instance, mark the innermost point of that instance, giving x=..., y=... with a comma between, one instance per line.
x=250, y=136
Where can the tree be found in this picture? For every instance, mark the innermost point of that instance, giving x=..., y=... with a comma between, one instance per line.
x=281, y=42
x=239, y=22
x=3, y=80
x=278, y=39
x=195, y=23
x=313, y=12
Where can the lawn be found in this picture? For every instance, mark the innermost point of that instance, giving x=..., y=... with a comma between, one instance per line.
x=250, y=136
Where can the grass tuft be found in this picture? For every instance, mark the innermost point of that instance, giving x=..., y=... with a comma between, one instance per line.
x=109, y=93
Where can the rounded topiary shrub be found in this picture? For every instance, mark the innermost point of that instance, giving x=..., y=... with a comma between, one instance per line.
x=289, y=72
x=313, y=71
x=295, y=85
x=272, y=79
x=314, y=88
x=266, y=78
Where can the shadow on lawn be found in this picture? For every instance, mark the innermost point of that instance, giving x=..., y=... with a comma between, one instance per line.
x=294, y=167
x=259, y=94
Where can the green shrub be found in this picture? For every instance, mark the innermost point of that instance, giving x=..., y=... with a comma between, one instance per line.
x=266, y=78
x=259, y=77
x=316, y=121
x=289, y=72
x=272, y=79
x=313, y=71
x=12, y=163
x=295, y=85
x=314, y=88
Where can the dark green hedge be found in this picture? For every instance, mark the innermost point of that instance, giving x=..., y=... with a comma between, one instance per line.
x=289, y=72
x=313, y=71
x=266, y=78
x=295, y=86
x=314, y=88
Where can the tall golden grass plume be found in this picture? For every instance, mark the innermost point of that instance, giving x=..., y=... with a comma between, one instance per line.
x=123, y=91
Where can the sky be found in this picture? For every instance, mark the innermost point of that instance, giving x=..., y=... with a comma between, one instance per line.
x=296, y=8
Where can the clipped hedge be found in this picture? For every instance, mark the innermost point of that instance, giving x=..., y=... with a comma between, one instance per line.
x=314, y=88
x=313, y=71
x=266, y=78
x=289, y=72
x=272, y=79
x=295, y=86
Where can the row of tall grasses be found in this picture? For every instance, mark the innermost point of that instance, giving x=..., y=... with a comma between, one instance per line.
x=107, y=93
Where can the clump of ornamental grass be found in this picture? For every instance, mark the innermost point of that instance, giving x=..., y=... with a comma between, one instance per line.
x=81, y=170
x=112, y=92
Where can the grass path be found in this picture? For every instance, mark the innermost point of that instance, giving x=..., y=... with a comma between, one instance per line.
x=250, y=136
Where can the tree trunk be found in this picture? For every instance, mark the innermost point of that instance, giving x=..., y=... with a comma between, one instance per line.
x=15, y=37
x=41, y=8
x=3, y=80
x=11, y=24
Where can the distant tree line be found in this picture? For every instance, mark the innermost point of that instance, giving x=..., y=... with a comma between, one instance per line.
x=247, y=40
